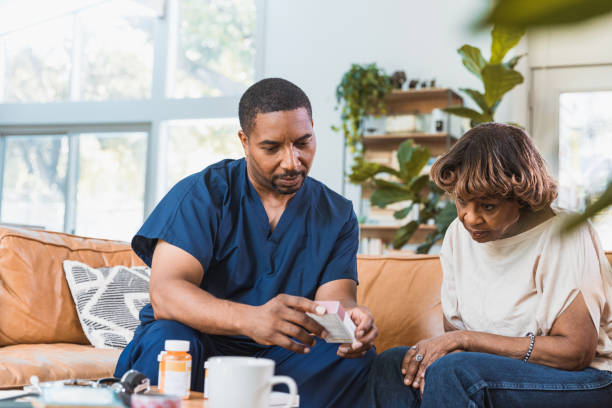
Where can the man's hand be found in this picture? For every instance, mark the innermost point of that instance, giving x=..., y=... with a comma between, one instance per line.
x=365, y=333
x=282, y=321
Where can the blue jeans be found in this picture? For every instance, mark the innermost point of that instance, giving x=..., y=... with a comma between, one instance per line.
x=484, y=380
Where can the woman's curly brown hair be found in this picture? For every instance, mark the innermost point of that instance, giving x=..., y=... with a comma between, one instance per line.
x=494, y=160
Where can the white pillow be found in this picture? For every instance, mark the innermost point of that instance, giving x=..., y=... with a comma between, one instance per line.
x=108, y=301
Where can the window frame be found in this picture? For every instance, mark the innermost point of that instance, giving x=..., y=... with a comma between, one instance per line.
x=148, y=115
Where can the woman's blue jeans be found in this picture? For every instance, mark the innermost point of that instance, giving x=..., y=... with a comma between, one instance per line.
x=468, y=379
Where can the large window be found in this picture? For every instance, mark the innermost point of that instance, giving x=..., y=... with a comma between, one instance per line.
x=110, y=187
x=585, y=131
x=105, y=104
x=216, y=53
x=195, y=144
x=34, y=182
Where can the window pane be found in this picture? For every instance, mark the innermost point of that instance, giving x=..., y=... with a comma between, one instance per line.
x=216, y=48
x=37, y=62
x=196, y=144
x=34, y=182
x=585, y=135
x=110, y=189
x=117, y=51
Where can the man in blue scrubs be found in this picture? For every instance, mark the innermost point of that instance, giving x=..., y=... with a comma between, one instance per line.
x=240, y=250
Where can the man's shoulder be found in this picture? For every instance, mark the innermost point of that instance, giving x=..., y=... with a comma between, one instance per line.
x=327, y=199
x=227, y=171
x=214, y=180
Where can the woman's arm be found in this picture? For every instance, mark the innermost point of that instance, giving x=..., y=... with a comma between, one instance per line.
x=570, y=345
x=448, y=327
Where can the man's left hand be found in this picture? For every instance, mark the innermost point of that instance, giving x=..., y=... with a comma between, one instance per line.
x=365, y=333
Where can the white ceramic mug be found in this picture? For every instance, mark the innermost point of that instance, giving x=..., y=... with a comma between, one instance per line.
x=238, y=382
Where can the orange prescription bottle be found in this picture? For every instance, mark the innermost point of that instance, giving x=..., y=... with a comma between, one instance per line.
x=175, y=368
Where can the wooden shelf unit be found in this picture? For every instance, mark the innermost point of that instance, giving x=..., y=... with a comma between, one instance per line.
x=437, y=143
x=381, y=148
x=422, y=100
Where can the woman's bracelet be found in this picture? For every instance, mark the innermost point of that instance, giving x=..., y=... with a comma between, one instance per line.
x=531, y=343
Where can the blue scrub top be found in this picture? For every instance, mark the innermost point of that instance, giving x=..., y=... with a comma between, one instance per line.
x=217, y=216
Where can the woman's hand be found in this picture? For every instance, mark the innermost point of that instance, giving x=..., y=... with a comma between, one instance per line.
x=424, y=353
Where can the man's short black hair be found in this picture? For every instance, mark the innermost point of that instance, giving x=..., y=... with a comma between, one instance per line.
x=270, y=95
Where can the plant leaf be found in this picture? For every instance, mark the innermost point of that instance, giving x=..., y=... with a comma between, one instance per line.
x=446, y=216
x=499, y=79
x=418, y=183
x=403, y=213
x=412, y=159
x=543, y=13
x=431, y=239
x=467, y=113
x=477, y=97
x=472, y=59
x=363, y=170
x=404, y=234
x=387, y=193
x=504, y=38
x=511, y=63
x=604, y=201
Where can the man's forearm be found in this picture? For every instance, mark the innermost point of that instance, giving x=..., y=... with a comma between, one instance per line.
x=186, y=303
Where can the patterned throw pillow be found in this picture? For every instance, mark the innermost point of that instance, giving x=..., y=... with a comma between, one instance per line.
x=108, y=301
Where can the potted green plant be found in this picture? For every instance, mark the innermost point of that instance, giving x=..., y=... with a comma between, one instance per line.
x=361, y=93
x=408, y=184
x=498, y=77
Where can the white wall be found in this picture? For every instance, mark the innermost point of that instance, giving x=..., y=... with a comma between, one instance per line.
x=587, y=43
x=312, y=43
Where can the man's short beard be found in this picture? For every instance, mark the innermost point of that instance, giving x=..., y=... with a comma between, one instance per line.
x=290, y=190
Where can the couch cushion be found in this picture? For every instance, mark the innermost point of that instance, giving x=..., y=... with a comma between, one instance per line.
x=108, y=301
x=52, y=362
x=35, y=302
x=403, y=293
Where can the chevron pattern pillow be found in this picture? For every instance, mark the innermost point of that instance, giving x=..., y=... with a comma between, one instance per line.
x=108, y=301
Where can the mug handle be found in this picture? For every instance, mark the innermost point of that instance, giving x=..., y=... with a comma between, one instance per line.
x=283, y=379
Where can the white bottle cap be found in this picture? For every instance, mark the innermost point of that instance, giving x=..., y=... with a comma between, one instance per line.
x=177, y=345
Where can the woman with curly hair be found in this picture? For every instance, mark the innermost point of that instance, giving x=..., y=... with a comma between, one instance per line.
x=527, y=310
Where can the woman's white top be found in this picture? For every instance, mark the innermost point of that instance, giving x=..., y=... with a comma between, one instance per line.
x=521, y=284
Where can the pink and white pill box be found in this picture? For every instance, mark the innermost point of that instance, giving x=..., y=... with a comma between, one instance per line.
x=336, y=321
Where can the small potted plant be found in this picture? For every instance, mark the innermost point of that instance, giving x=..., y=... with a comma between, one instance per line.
x=361, y=93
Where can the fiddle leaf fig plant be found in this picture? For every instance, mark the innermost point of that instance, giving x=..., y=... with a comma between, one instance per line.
x=407, y=184
x=361, y=92
x=498, y=77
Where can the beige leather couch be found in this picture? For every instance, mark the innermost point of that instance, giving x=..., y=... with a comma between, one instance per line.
x=40, y=333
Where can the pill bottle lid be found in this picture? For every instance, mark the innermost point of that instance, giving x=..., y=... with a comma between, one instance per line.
x=177, y=345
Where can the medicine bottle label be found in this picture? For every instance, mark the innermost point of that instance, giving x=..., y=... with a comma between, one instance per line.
x=175, y=378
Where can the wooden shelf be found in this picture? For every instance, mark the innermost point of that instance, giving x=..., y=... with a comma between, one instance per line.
x=387, y=232
x=421, y=100
x=422, y=93
x=437, y=143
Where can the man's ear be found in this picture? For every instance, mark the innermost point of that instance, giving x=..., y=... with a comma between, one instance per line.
x=244, y=139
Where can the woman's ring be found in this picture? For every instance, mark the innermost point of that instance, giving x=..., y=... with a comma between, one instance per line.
x=418, y=357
